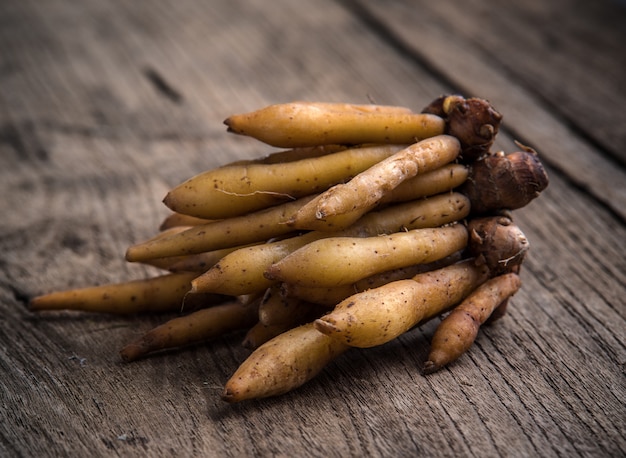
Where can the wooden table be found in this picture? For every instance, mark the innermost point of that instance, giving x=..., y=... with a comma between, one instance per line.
x=106, y=105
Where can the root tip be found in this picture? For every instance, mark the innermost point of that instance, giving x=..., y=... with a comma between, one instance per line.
x=170, y=201
x=130, y=254
x=34, y=304
x=130, y=352
x=430, y=367
x=46, y=302
x=229, y=396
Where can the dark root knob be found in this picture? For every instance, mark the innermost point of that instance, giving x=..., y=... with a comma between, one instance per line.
x=473, y=121
x=497, y=242
x=505, y=182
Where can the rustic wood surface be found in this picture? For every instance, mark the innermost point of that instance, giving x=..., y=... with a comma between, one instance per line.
x=106, y=105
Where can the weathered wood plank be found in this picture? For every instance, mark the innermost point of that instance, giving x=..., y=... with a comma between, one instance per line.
x=105, y=106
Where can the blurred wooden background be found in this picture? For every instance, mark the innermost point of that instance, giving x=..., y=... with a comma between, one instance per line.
x=106, y=105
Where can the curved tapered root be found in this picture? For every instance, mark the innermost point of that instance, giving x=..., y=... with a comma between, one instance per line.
x=200, y=326
x=457, y=332
x=158, y=294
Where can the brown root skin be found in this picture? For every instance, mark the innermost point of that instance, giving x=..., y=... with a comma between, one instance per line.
x=457, y=332
x=502, y=181
x=473, y=121
x=497, y=242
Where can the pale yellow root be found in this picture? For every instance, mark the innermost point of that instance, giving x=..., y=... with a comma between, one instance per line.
x=330, y=296
x=307, y=220
x=227, y=233
x=370, y=186
x=159, y=294
x=336, y=261
x=307, y=124
x=242, y=271
x=235, y=190
x=457, y=332
x=443, y=179
x=379, y=315
x=199, y=326
x=282, y=364
x=432, y=211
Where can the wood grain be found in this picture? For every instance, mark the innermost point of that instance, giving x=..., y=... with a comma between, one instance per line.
x=106, y=105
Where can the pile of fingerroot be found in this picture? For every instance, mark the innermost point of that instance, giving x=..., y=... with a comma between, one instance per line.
x=369, y=221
